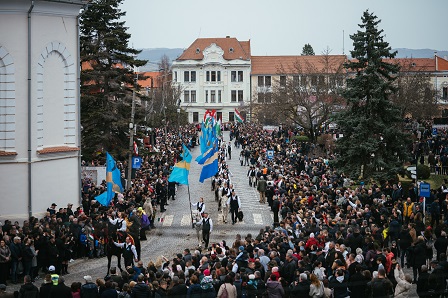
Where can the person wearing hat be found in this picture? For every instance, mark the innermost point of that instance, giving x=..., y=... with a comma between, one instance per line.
x=3, y=293
x=53, y=275
x=89, y=289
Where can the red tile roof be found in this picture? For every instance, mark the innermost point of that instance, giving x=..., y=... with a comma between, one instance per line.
x=442, y=64
x=7, y=153
x=57, y=149
x=157, y=78
x=241, y=49
x=265, y=65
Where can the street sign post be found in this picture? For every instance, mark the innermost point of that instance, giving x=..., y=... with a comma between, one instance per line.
x=136, y=162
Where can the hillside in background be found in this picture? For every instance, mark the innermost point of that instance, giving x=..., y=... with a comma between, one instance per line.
x=154, y=55
x=419, y=53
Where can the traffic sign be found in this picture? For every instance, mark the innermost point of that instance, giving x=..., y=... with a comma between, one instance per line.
x=434, y=131
x=425, y=190
x=136, y=162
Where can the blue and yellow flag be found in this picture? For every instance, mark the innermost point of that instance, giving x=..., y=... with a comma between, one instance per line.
x=113, y=182
x=209, y=162
x=182, y=168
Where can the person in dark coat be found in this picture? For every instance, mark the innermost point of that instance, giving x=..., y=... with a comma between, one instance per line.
x=441, y=244
x=109, y=292
x=357, y=283
x=422, y=283
x=179, y=289
x=339, y=284
x=28, y=290
x=300, y=288
x=140, y=290
x=419, y=256
x=89, y=289
x=45, y=288
x=60, y=290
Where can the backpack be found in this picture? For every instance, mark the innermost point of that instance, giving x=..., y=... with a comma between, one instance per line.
x=224, y=293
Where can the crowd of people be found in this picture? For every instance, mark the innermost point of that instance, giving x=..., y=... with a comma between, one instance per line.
x=329, y=238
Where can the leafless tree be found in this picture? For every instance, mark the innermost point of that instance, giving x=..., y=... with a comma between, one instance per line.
x=415, y=95
x=306, y=94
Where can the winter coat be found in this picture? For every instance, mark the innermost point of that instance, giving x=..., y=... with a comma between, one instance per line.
x=140, y=290
x=340, y=288
x=419, y=254
x=231, y=290
x=403, y=287
x=28, y=290
x=275, y=289
x=60, y=291
x=5, y=254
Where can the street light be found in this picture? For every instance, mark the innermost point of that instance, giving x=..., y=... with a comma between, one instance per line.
x=131, y=132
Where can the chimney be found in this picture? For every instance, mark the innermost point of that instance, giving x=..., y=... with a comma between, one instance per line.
x=435, y=57
x=228, y=36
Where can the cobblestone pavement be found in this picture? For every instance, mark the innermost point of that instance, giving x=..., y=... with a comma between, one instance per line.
x=174, y=230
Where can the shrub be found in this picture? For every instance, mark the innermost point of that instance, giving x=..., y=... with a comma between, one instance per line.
x=423, y=172
x=301, y=138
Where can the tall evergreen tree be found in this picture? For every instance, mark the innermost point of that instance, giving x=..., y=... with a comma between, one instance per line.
x=107, y=78
x=307, y=50
x=373, y=143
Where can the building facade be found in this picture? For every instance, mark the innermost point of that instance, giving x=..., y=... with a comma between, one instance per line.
x=39, y=106
x=214, y=73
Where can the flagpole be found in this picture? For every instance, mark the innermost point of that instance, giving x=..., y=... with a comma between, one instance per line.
x=191, y=212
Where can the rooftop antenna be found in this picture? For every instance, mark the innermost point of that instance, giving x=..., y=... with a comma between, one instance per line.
x=343, y=43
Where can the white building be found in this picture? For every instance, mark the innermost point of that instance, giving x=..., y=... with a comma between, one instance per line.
x=214, y=73
x=39, y=106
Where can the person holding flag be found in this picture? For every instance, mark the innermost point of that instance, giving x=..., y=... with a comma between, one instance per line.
x=113, y=182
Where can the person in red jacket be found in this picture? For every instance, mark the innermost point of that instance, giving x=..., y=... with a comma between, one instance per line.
x=311, y=241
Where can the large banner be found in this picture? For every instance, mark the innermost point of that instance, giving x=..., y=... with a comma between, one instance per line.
x=95, y=174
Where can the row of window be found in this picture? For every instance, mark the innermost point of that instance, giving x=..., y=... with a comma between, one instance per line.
x=266, y=81
x=213, y=96
x=218, y=116
x=211, y=76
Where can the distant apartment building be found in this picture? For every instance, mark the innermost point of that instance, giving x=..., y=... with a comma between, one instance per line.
x=214, y=73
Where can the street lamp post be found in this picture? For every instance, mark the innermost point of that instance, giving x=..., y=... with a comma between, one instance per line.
x=131, y=135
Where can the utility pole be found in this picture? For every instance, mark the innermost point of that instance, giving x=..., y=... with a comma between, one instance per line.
x=131, y=134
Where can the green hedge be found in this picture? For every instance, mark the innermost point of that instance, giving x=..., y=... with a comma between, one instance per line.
x=423, y=172
x=301, y=138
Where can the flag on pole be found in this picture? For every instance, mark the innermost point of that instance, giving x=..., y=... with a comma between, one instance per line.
x=238, y=116
x=113, y=182
x=218, y=127
x=135, y=149
x=182, y=168
x=210, y=163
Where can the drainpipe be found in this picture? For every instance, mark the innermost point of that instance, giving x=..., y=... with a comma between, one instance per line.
x=30, y=209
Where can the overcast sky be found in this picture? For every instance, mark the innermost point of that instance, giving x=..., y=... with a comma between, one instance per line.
x=282, y=27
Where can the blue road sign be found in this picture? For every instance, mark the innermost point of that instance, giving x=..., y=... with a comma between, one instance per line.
x=270, y=154
x=425, y=190
x=434, y=131
x=136, y=162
